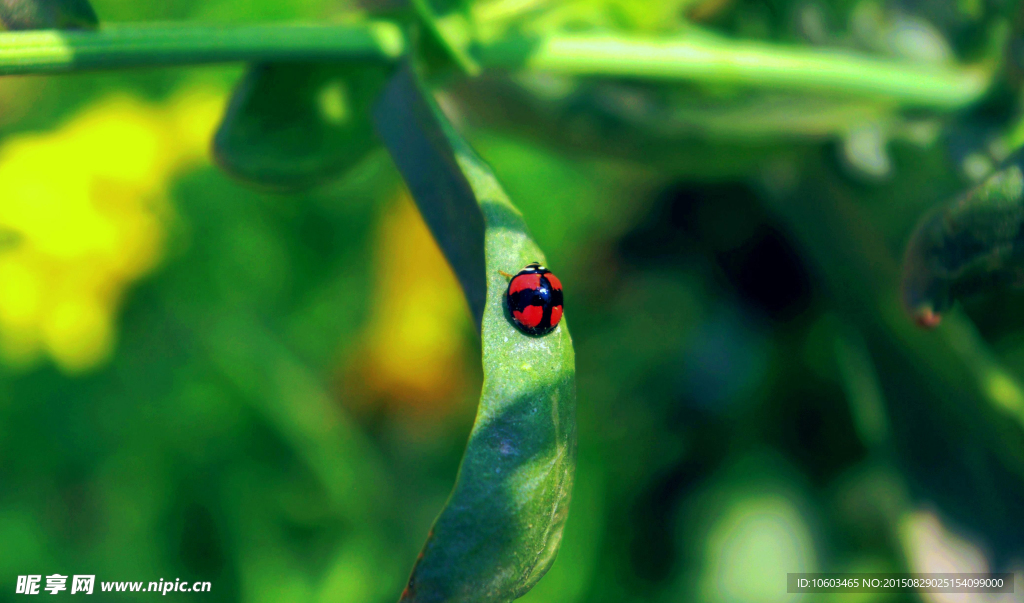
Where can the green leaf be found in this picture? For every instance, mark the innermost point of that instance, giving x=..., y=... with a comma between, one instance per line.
x=967, y=246
x=296, y=125
x=948, y=402
x=502, y=525
x=47, y=14
x=945, y=387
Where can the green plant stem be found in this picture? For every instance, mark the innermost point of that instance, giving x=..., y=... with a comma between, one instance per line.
x=120, y=46
x=699, y=57
x=708, y=59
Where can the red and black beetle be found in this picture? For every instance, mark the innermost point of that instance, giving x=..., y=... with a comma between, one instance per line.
x=534, y=297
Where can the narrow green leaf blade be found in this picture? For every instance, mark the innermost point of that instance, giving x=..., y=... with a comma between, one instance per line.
x=502, y=525
x=47, y=14
x=292, y=126
x=444, y=196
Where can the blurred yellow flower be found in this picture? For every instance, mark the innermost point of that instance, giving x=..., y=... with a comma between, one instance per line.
x=84, y=209
x=414, y=351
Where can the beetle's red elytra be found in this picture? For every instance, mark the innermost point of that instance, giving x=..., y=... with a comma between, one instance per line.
x=534, y=297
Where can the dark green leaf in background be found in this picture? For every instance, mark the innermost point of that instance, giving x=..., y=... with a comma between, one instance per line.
x=501, y=528
x=949, y=403
x=296, y=125
x=963, y=247
x=47, y=14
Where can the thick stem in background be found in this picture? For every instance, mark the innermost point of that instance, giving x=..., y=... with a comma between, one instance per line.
x=122, y=46
x=707, y=59
x=699, y=58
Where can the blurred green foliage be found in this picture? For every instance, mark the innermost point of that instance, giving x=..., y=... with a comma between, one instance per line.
x=287, y=388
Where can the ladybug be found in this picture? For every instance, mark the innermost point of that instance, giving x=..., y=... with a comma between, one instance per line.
x=534, y=297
